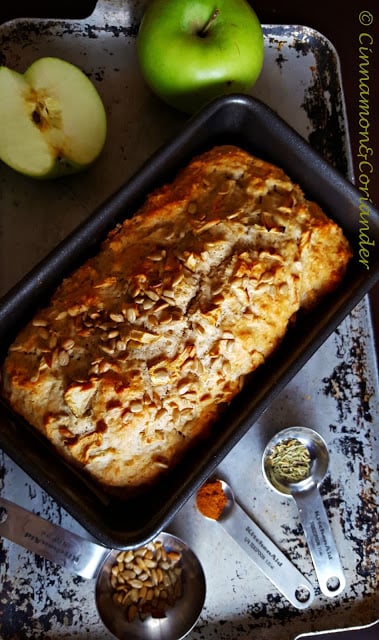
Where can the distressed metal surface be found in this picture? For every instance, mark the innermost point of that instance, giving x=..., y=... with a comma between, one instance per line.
x=336, y=392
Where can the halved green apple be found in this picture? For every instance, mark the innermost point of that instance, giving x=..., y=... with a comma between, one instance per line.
x=52, y=119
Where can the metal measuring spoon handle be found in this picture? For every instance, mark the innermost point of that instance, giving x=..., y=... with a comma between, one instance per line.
x=320, y=541
x=267, y=557
x=306, y=494
x=51, y=541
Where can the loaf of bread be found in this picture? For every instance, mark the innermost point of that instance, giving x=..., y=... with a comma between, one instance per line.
x=140, y=348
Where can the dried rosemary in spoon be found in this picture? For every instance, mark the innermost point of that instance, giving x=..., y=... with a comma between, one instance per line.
x=290, y=461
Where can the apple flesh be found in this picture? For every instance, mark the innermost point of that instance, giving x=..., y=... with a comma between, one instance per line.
x=52, y=119
x=191, y=51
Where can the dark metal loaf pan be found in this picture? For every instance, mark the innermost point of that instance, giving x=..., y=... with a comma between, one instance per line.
x=235, y=119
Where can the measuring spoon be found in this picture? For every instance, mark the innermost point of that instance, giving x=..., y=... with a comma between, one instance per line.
x=264, y=553
x=91, y=560
x=312, y=512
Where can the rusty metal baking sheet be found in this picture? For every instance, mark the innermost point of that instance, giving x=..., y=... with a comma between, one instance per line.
x=336, y=392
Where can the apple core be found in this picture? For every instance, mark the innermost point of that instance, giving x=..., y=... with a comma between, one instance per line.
x=52, y=119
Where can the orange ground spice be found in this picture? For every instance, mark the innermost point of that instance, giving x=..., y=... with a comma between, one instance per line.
x=211, y=499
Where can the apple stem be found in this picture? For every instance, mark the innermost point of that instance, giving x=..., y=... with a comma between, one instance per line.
x=203, y=32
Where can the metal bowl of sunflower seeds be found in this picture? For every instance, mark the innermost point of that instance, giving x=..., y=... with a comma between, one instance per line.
x=151, y=592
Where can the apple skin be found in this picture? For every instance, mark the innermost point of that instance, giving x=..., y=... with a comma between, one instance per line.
x=52, y=120
x=191, y=51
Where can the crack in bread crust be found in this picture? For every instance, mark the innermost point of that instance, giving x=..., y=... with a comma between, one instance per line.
x=142, y=346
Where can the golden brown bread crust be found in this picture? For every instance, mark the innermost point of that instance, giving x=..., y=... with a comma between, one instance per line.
x=140, y=348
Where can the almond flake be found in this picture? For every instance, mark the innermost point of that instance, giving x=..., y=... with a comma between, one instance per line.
x=144, y=337
x=116, y=317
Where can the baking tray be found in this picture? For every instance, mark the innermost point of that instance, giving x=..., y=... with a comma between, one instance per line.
x=241, y=120
x=301, y=73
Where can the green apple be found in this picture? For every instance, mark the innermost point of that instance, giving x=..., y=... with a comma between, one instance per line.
x=191, y=51
x=52, y=119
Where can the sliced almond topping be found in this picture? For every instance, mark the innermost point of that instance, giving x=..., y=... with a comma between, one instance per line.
x=39, y=322
x=152, y=295
x=144, y=337
x=130, y=314
x=177, y=278
x=207, y=225
x=78, y=397
x=104, y=366
x=63, y=358
x=108, y=349
x=16, y=348
x=158, y=255
x=43, y=333
x=110, y=281
x=147, y=304
x=76, y=310
x=53, y=341
x=117, y=317
x=68, y=344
